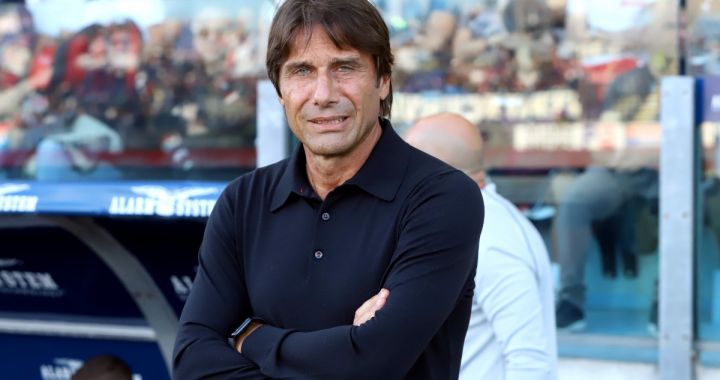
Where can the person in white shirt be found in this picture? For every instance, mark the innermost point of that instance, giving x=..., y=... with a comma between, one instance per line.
x=512, y=332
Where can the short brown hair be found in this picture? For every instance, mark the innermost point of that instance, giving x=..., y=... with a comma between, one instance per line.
x=348, y=23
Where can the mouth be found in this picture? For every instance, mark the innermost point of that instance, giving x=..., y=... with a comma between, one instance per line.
x=328, y=121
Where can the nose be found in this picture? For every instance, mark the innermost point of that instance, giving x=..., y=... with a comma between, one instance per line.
x=325, y=93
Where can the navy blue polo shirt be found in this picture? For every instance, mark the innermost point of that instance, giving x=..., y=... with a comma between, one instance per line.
x=273, y=249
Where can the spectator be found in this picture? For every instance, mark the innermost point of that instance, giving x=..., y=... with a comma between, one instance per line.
x=424, y=63
x=596, y=194
x=512, y=324
x=17, y=45
x=79, y=153
x=103, y=367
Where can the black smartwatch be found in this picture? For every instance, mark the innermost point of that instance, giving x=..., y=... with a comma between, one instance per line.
x=243, y=326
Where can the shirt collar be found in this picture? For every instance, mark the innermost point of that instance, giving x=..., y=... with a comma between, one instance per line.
x=490, y=186
x=380, y=175
x=383, y=171
x=293, y=180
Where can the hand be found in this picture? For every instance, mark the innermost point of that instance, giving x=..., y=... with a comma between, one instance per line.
x=367, y=311
x=254, y=325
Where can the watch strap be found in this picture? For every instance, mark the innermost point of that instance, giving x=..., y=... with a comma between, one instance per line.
x=244, y=326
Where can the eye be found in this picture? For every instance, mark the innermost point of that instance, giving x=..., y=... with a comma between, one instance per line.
x=345, y=68
x=301, y=71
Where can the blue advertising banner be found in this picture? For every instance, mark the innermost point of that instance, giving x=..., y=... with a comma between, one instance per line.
x=47, y=271
x=167, y=248
x=57, y=358
x=168, y=199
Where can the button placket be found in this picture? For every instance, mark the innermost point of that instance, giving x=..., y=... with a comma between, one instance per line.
x=320, y=231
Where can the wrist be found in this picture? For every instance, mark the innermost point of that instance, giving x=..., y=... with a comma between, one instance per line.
x=241, y=339
x=243, y=331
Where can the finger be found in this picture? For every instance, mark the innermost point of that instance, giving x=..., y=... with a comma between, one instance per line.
x=383, y=296
x=362, y=318
x=366, y=314
x=380, y=300
x=370, y=307
x=366, y=317
x=366, y=306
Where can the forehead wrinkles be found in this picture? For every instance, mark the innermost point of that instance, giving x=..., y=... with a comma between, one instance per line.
x=300, y=44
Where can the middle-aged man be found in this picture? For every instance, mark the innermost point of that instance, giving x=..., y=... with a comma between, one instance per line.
x=304, y=250
x=512, y=325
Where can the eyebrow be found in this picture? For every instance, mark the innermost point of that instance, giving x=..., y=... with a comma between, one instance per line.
x=292, y=66
x=351, y=60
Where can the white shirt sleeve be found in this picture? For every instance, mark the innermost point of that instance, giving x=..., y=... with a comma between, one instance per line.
x=507, y=290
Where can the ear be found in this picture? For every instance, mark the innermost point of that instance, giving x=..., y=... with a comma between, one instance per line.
x=280, y=98
x=384, y=87
x=279, y=94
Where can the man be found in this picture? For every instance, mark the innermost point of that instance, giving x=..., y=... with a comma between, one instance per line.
x=598, y=193
x=512, y=325
x=103, y=367
x=293, y=249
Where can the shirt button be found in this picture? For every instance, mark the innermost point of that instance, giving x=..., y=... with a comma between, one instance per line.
x=318, y=255
x=325, y=216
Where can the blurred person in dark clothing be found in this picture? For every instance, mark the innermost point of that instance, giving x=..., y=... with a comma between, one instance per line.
x=107, y=89
x=93, y=105
x=354, y=258
x=94, y=76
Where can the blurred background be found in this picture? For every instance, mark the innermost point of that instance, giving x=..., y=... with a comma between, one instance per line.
x=122, y=121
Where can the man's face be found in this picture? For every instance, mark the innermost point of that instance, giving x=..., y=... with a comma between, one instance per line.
x=331, y=97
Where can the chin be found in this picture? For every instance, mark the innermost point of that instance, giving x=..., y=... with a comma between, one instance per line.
x=329, y=150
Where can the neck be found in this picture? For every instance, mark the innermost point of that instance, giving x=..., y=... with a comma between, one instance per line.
x=479, y=178
x=325, y=173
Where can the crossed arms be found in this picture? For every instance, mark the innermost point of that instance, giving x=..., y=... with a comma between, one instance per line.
x=430, y=273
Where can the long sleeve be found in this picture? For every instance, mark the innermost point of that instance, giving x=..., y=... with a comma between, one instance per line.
x=430, y=274
x=508, y=293
x=201, y=347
